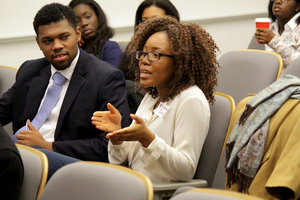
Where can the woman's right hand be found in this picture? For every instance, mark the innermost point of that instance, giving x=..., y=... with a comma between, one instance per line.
x=108, y=121
x=264, y=35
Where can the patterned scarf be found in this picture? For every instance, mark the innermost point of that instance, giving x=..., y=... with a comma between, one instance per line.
x=245, y=145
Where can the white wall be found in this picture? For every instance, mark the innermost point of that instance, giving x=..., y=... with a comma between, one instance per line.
x=230, y=22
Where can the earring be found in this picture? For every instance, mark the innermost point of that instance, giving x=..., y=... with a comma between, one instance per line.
x=153, y=89
x=152, y=92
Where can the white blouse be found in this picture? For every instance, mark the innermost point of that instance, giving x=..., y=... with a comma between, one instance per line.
x=180, y=128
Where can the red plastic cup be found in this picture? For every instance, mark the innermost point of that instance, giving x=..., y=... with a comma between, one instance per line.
x=262, y=23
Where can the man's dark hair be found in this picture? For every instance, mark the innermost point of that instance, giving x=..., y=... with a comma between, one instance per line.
x=53, y=13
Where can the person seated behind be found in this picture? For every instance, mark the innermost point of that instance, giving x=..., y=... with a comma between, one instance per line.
x=176, y=65
x=66, y=134
x=95, y=31
x=147, y=10
x=283, y=37
x=11, y=166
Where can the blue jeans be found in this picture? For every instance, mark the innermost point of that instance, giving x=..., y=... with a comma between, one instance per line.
x=56, y=161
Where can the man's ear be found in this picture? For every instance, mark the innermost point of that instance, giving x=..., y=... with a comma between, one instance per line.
x=38, y=42
x=78, y=34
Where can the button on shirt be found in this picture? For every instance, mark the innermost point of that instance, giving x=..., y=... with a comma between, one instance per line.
x=47, y=130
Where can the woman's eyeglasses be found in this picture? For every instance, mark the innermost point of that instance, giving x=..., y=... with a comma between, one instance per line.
x=152, y=56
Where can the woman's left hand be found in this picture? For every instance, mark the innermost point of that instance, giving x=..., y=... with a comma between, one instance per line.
x=138, y=131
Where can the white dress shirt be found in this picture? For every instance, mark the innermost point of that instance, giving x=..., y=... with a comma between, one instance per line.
x=180, y=130
x=288, y=43
x=47, y=130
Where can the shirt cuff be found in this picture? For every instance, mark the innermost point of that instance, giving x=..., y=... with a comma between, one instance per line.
x=153, y=151
x=111, y=147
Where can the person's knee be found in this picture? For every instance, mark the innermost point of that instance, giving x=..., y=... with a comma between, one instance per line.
x=56, y=161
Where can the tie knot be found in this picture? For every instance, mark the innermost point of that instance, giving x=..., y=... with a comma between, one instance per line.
x=59, y=79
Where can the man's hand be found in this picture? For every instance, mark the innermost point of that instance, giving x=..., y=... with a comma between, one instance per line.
x=33, y=137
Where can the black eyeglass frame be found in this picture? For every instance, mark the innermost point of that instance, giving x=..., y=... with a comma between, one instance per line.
x=138, y=54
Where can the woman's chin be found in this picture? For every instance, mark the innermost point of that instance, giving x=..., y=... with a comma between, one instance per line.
x=145, y=84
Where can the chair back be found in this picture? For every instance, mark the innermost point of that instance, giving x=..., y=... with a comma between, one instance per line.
x=293, y=68
x=35, y=165
x=254, y=45
x=219, y=181
x=7, y=79
x=247, y=71
x=213, y=194
x=97, y=180
x=221, y=112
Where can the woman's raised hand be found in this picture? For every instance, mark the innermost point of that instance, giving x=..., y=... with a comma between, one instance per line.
x=138, y=131
x=108, y=121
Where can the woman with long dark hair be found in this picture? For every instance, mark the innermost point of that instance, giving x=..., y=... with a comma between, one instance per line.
x=95, y=31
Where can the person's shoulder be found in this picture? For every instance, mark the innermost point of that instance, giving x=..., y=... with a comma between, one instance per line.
x=34, y=64
x=191, y=94
x=95, y=64
x=42, y=61
x=91, y=59
x=192, y=91
x=111, y=43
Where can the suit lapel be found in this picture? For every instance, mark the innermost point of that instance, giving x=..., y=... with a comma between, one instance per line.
x=76, y=83
x=36, y=92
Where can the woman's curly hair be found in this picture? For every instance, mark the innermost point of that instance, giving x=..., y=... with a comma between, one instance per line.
x=194, y=52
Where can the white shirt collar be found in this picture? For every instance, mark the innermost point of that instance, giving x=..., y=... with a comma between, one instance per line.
x=68, y=72
x=292, y=23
